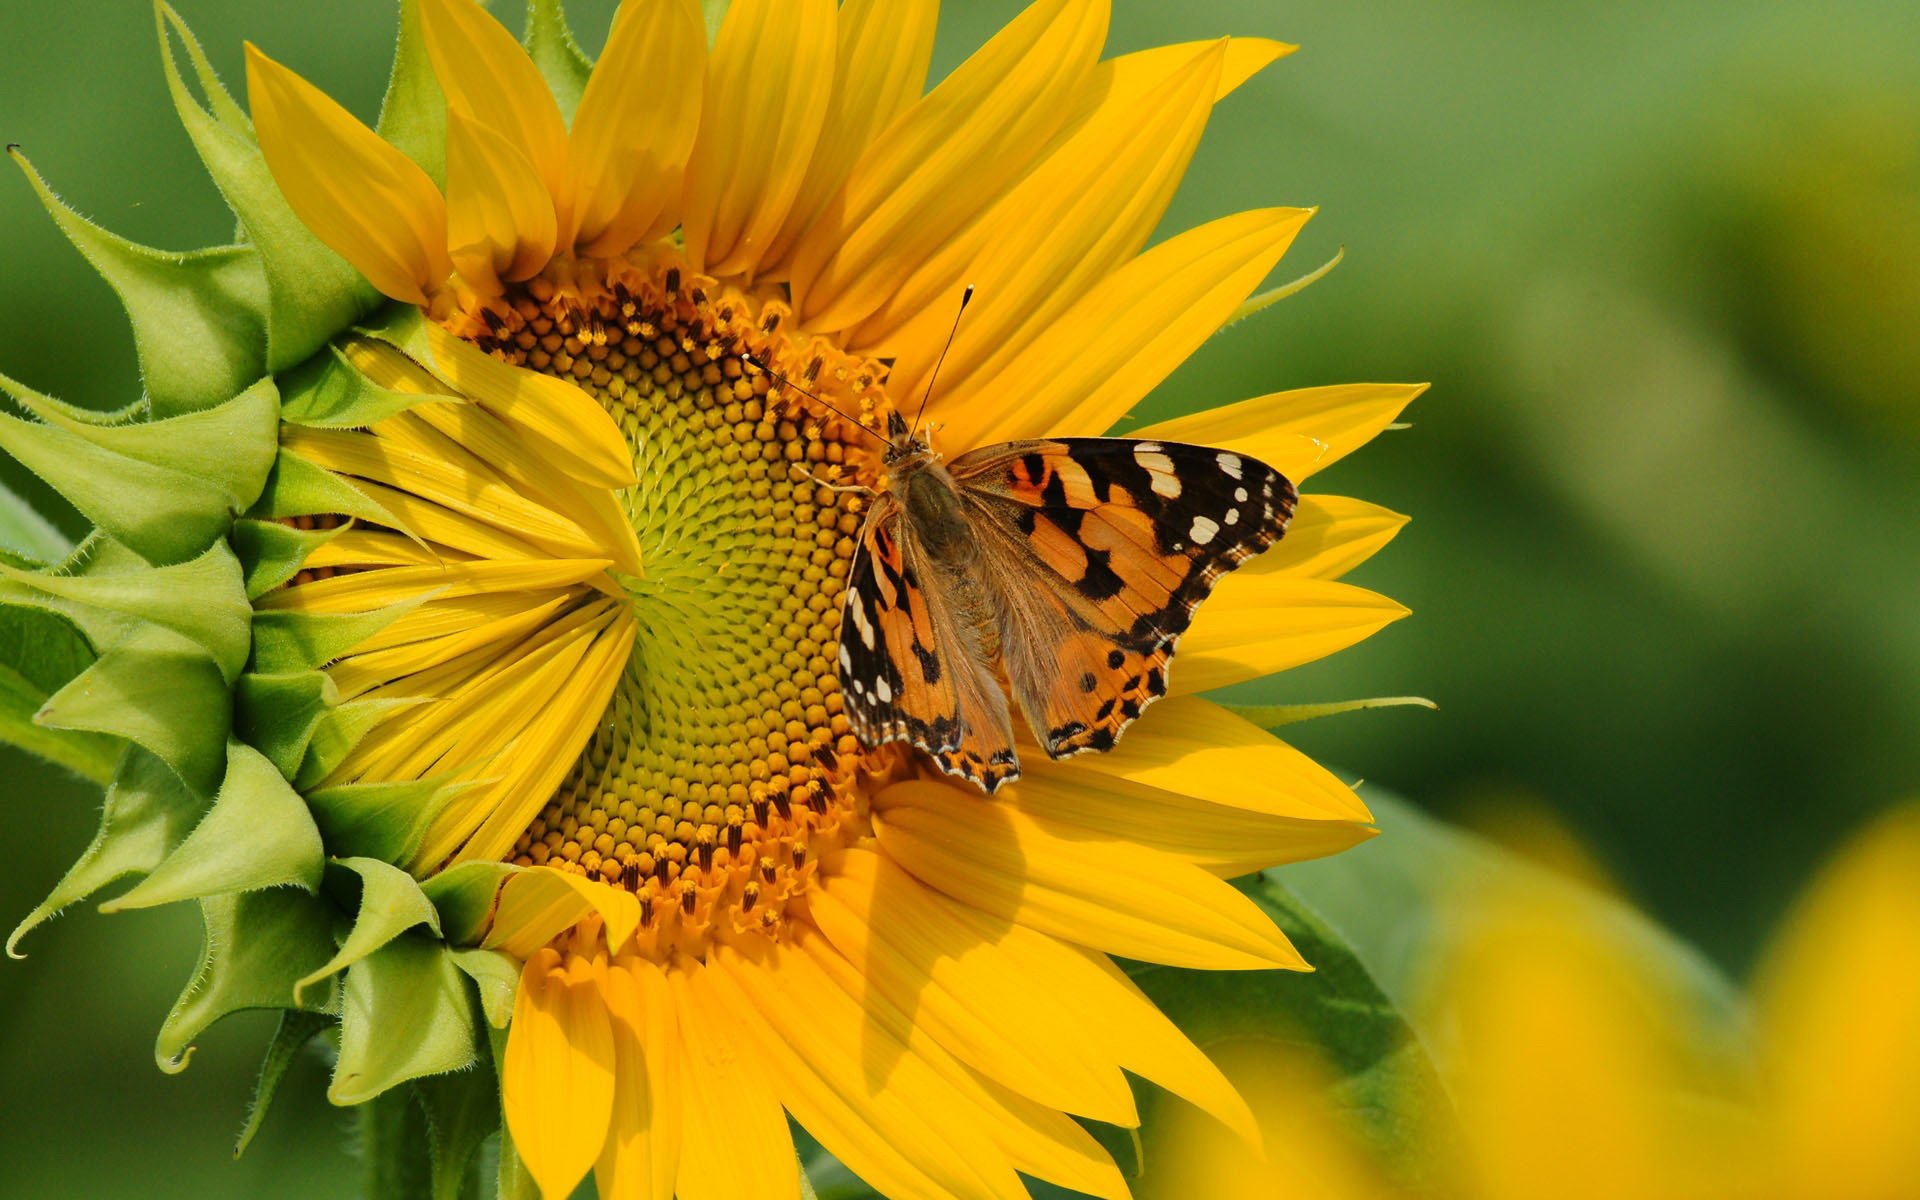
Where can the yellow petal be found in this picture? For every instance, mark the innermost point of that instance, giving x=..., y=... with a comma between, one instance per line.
x=1299, y=432
x=636, y=125
x=539, y=904
x=642, y=1152
x=884, y=47
x=1124, y=336
x=500, y=222
x=1085, y=209
x=767, y=90
x=1226, y=840
x=734, y=1140
x=358, y=673
x=557, y=1077
x=367, y=201
x=1839, y=1017
x=945, y=161
x=368, y=590
x=968, y=996
x=1112, y=895
x=490, y=80
x=1257, y=624
x=1196, y=748
x=1329, y=536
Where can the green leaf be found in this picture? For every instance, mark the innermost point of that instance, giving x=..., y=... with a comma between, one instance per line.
x=271, y=553
x=390, y=903
x=157, y=690
x=257, y=944
x=561, y=61
x=199, y=319
x=394, y=1148
x=295, y=641
x=497, y=977
x=148, y=812
x=297, y=488
x=277, y=714
x=329, y=392
x=464, y=893
x=27, y=533
x=257, y=835
x=312, y=292
x=406, y=1012
x=1273, y=716
x=40, y=652
x=386, y=819
x=462, y=1109
x=296, y=1030
x=413, y=116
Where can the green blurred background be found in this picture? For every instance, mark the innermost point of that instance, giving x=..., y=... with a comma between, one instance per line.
x=1661, y=263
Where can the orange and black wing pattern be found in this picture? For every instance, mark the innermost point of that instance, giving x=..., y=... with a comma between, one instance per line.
x=1099, y=550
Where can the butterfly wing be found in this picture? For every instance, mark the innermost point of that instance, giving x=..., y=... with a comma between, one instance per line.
x=910, y=669
x=1098, y=551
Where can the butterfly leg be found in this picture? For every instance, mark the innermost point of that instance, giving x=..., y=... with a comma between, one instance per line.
x=857, y=489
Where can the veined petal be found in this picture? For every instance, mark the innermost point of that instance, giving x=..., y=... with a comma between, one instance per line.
x=1225, y=839
x=490, y=80
x=1107, y=894
x=884, y=47
x=1194, y=747
x=767, y=90
x=1297, y=432
x=636, y=125
x=642, y=1152
x=540, y=903
x=558, y=1075
x=944, y=161
x=1329, y=536
x=500, y=222
x=1257, y=624
x=366, y=200
x=734, y=1140
x=1085, y=209
x=1124, y=336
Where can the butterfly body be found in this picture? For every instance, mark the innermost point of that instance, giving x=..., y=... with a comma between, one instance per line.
x=1069, y=567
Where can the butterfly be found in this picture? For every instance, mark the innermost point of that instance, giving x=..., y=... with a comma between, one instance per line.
x=1070, y=564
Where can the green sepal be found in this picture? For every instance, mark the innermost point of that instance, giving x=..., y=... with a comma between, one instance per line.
x=256, y=945
x=148, y=812
x=312, y=293
x=497, y=976
x=298, y=488
x=26, y=537
x=257, y=835
x=394, y=1147
x=158, y=690
x=464, y=893
x=40, y=652
x=409, y=987
x=463, y=1110
x=167, y=489
x=271, y=553
x=199, y=319
x=413, y=114
x=328, y=392
x=386, y=820
x=202, y=600
x=561, y=61
x=297, y=641
x=277, y=714
x=340, y=730
x=1274, y=716
x=390, y=903
x=296, y=1029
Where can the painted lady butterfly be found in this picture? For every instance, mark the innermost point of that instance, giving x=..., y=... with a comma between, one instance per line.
x=1074, y=564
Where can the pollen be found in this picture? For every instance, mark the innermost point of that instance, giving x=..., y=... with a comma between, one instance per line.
x=724, y=767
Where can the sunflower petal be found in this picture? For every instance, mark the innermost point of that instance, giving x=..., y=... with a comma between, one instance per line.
x=1107, y=894
x=1329, y=536
x=500, y=222
x=557, y=1080
x=1299, y=432
x=1123, y=337
x=734, y=1135
x=945, y=160
x=367, y=201
x=636, y=125
x=1257, y=624
x=767, y=90
x=642, y=1153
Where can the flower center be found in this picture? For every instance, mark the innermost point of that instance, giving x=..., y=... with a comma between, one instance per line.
x=724, y=765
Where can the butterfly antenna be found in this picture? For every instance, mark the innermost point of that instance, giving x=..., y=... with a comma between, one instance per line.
x=747, y=358
x=964, y=297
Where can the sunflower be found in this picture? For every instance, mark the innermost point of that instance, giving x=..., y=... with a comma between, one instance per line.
x=526, y=634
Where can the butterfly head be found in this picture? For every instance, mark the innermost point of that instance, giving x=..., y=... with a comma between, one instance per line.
x=906, y=445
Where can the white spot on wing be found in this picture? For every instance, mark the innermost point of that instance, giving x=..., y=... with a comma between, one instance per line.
x=1233, y=516
x=1230, y=463
x=858, y=612
x=1203, y=530
x=884, y=690
x=1159, y=468
x=1240, y=494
